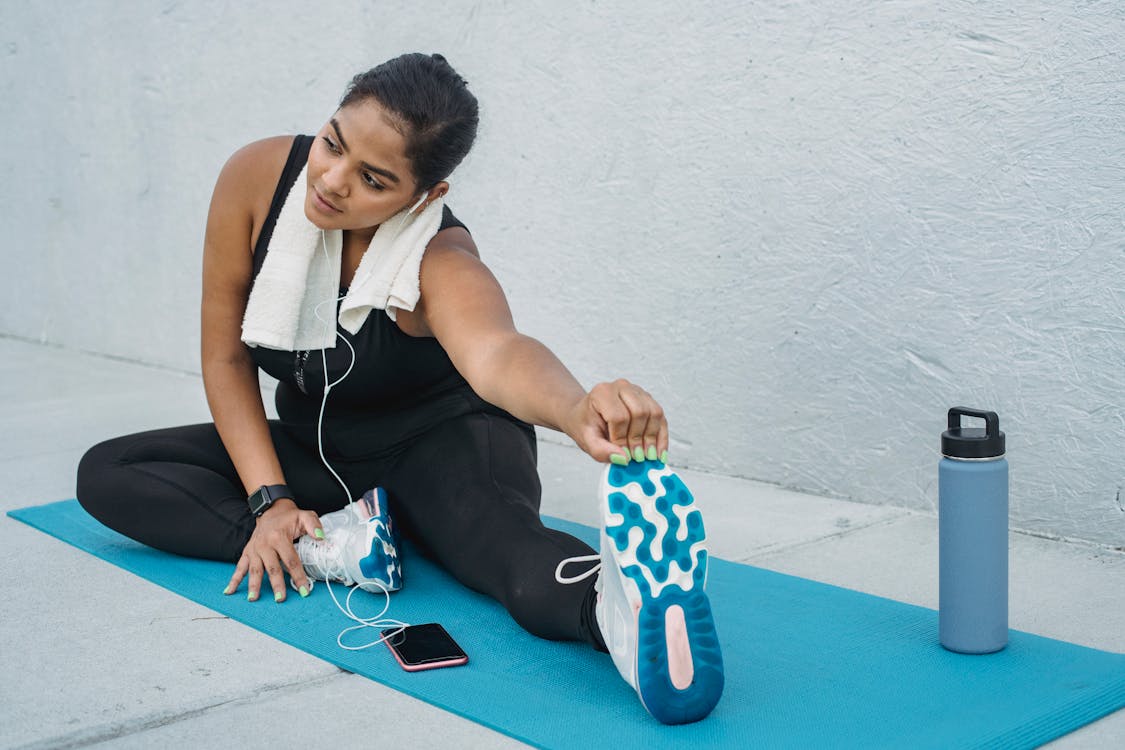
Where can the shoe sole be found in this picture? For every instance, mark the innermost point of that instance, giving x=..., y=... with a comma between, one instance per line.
x=381, y=563
x=378, y=565
x=659, y=543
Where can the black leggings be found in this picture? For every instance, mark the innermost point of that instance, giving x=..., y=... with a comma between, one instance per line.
x=466, y=491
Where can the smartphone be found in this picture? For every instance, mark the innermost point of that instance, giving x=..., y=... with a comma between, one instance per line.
x=418, y=647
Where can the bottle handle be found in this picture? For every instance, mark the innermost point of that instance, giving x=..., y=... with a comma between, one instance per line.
x=991, y=421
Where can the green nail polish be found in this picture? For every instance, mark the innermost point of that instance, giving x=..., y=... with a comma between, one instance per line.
x=617, y=458
x=638, y=454
x=227, y=590
x=278, y=597
x=664, y=457
x=318, y=533
x=251, y=597
x=651, y=455
x=304, y=591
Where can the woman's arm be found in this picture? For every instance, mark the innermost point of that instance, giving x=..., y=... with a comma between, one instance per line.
x=230, y=377
x=465, y=309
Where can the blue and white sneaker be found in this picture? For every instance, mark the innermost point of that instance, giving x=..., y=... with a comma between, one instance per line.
x=653, y=613
x=360, y=546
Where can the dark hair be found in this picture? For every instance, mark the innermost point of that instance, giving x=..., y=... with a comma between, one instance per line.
x=435, y=111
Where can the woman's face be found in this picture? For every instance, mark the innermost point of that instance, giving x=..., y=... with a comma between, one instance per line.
x=358, y=173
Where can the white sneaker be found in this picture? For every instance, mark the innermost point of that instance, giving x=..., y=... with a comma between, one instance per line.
x=359, y=546
x=653, y=613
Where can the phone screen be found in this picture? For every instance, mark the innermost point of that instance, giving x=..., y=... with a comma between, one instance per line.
x=424, y=647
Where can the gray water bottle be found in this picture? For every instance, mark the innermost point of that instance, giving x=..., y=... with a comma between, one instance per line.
x=973, y=535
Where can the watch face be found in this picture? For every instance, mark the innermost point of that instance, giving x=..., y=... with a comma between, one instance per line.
x=259, y=501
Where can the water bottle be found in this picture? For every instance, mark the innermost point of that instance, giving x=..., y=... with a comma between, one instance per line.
x=973, y=535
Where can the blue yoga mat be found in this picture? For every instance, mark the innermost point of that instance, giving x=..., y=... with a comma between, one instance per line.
x=807, y=664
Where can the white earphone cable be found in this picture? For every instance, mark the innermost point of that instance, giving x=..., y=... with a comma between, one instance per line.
x=379, y=621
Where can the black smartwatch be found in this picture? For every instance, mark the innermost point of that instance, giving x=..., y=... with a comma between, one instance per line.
x=265, y=496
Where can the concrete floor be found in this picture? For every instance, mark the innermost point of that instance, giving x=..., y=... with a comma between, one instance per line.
x=95, y=656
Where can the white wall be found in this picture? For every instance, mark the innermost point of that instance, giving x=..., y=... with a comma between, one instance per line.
x=808, y=227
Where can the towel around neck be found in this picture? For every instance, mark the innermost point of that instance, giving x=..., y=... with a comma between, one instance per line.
x=292, y=301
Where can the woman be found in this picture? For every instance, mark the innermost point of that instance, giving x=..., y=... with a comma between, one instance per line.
x=432, y=401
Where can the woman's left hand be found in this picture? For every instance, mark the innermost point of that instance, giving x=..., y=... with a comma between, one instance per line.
x=621, y=419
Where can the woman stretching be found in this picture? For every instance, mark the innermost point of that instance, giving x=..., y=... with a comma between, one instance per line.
x=332, y=263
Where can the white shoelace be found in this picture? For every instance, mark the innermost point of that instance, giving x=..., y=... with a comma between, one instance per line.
x=321, y=555
x=581, y=576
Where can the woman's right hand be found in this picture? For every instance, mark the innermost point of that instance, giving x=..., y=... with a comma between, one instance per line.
x=271, y=551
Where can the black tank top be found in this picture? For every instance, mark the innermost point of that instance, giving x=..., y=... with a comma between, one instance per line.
x=392, y=371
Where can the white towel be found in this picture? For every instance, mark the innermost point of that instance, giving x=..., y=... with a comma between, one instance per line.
x=301, y=273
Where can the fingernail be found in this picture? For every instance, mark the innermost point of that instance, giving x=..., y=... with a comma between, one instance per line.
x=651, y=455
x=227, y=590
x=617, y=458
x=251, y=597
x=664, y=457
x=318, y=533
x=278, y=596
x=638, y=454
x=303, y=591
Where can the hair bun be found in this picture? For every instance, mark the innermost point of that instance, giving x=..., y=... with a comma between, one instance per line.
x=432, y=104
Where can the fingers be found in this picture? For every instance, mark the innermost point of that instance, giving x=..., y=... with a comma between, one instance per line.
x=267, y=559
x=276, y=575
x=634, y=422
x=264, y=561
x=271, y=568
x=254, y=579
x=292, y=563
x=239, y=574
x=604, y=451
x=615, y=416
x=591, y=435
x=662, y=441
x=642, y=428
x=310, y=524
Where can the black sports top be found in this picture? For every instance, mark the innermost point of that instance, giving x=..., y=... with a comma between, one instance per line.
x=392, y=370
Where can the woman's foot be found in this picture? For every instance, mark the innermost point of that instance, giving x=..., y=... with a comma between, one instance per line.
x=359, y=546
x=653, y=613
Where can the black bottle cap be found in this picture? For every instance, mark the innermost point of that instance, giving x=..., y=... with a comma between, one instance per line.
x=972, y=442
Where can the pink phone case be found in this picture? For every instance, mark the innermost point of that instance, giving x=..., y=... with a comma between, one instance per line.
x=451, y=662
x=429, y=665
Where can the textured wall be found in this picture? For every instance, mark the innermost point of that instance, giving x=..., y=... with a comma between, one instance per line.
x=807, y=227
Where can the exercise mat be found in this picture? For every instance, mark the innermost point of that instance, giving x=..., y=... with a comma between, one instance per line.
x=807, y=664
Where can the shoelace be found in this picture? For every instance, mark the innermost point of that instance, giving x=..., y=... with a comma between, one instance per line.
x=320, y=555
x=581, y=576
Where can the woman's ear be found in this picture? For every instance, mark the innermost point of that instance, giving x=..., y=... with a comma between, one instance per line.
x=437, y=191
